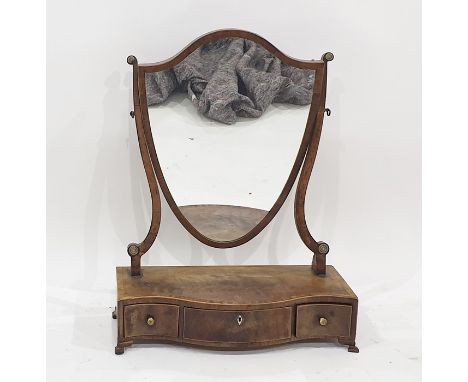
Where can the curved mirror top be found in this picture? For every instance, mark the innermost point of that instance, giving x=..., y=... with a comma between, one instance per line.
x=227, y=123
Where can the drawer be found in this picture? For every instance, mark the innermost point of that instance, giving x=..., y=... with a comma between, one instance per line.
x=323, y=320
x=237, y=326
x=161, y=320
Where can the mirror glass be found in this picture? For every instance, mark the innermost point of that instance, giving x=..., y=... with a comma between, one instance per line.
x=227, y=123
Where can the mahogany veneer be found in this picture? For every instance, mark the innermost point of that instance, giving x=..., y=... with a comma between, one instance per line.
x=234, y=307
x=221, y=222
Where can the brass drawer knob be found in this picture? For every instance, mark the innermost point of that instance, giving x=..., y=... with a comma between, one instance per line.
x=323, y=321
x=150, y=321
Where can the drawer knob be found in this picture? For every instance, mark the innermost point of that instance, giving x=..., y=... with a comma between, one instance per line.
x=150, y=321
x=323, y=321
x=240, y=319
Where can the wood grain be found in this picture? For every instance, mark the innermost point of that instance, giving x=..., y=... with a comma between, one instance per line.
x=235, y=286
x=223, y=326
x=338, y=320
x=222, y=222
x=165, y=316
x=198, y=306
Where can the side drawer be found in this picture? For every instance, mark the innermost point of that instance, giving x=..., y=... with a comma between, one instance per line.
x=237, y=326
x=323, y=320
x=160, y=320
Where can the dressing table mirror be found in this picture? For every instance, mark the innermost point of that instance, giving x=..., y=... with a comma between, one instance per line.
x=225, y=128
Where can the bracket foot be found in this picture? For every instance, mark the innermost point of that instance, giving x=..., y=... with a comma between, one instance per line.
x=119, y=350
x=353, y=349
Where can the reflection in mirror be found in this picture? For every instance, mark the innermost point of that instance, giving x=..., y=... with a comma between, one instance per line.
x=227, y=123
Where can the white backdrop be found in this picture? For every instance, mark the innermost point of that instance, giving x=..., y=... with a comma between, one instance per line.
x=364, y=194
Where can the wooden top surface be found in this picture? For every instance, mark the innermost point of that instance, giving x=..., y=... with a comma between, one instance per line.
x=232, y=285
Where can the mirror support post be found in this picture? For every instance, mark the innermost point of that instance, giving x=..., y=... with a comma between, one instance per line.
x=320, y=249
x=137, y=250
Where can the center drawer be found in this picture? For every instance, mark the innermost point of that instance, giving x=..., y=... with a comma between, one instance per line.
x=237, y=326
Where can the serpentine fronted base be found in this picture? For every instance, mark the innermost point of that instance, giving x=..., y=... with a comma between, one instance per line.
x=234, y=307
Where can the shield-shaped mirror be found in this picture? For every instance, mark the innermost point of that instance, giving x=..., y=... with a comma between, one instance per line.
x=230, y=119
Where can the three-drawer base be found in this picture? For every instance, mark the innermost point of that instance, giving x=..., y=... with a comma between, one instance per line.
x=242, y=307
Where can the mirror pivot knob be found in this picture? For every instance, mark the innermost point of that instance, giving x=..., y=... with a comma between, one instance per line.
x=323, y=248
x=133, y=250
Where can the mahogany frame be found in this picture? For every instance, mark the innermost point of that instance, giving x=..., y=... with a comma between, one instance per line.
x=305, y=157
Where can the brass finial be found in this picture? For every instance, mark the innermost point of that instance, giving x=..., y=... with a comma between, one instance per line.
x=132, y=60
x=329, y=56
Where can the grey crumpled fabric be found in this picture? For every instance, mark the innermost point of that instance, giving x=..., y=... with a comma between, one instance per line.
x=232, y=78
